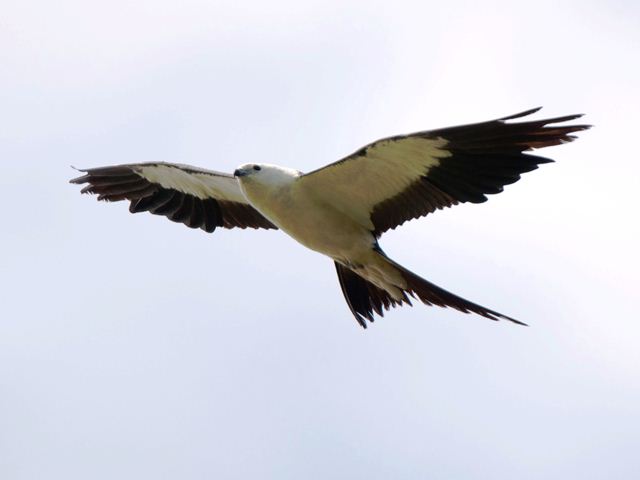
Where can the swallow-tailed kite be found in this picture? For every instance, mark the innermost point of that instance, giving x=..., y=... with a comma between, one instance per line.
x=342, y=209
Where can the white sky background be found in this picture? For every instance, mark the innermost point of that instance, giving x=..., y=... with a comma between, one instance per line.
x=132, y=347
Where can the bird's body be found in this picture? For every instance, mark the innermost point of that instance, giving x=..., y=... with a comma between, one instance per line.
x=342, y=209
x=281, y=196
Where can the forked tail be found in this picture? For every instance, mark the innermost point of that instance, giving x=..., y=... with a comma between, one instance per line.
x=365, y=299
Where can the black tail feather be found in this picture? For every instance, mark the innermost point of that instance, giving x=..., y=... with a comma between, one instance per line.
x=363, y=297
x=431, y=294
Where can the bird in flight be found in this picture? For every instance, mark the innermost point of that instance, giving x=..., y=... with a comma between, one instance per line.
x=342, y=209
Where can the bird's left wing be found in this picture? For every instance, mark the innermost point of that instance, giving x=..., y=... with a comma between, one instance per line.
x=197, y=197
x=395, y=179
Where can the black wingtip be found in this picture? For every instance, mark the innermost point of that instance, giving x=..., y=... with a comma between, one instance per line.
x=521, y=114
x=565, y=118
x=78, y=180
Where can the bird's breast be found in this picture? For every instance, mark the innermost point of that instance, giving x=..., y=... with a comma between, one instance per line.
x=310, y=221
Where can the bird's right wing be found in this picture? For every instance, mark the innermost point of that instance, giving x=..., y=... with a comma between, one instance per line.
x=395, y=179
x=196, y=197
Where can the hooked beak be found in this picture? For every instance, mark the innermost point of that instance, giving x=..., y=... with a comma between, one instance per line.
x=239, y=172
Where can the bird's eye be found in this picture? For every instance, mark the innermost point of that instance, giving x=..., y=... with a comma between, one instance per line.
x=257, y=168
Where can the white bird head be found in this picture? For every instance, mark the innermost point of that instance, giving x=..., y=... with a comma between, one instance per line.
x=265, y=174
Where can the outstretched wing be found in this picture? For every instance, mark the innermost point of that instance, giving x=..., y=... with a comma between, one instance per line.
x=399, y=178
x=196, y=197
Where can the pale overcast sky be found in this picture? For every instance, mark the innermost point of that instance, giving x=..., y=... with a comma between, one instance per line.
x=135, y=348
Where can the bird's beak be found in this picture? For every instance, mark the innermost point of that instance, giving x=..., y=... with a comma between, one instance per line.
x=239, y=172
